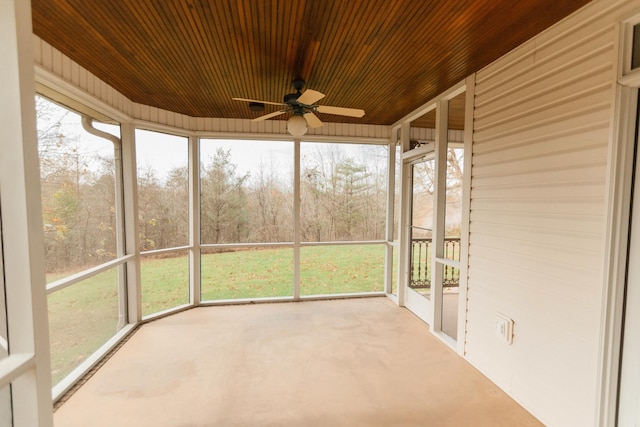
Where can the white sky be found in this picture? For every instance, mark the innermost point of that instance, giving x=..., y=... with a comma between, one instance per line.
x=164, y=152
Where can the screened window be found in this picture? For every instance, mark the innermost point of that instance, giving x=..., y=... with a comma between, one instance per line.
x=77, y=175
x=82, y=317
x=164, y=280
x=163, y=215
x=343, y=191
x=341, y=269
x=163, y=190
x=79, y=192
x=247, y=272
x=246, y=191
x=247, y=223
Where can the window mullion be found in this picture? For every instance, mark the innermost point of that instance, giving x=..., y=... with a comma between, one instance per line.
x=439, y=203
x=130, y=192
x=194, y=221
x=296, y=219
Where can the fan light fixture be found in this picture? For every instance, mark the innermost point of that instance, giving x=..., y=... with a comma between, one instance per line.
x=297, y=126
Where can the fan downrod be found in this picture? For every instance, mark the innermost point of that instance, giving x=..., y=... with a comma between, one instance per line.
x=298, y=84
x=291, y=99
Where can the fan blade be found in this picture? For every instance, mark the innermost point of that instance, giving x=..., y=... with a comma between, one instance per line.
x=260, y=102
x=312, y=120
x=340, y=111
x=268, y=116
x=310, y=97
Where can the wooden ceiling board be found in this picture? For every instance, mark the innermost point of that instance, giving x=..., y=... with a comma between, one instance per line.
x=385, y=57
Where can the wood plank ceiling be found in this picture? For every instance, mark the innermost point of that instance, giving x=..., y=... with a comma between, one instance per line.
x=193, y=56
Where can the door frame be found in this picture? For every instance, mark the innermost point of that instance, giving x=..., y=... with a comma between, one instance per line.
x=620, y=155
x=629, y=376
x=440, y=105
x=418, y=304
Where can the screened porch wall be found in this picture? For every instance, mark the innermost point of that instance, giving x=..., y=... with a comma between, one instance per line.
x=542, y=129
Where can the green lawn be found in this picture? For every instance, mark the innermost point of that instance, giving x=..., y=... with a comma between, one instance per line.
x=165, y=283
x=341, y=269
x=84, y=316
x=256, y=273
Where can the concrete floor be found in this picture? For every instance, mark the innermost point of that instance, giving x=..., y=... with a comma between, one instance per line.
x=359, y=362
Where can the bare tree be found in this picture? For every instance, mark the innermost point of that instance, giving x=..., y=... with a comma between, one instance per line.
x=78, y=191
x=271, y=212
x=223, y=201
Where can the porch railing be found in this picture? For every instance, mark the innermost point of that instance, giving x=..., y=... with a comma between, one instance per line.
x=421, y=253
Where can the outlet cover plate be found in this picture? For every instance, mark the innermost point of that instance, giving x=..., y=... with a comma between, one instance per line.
x=504, y=328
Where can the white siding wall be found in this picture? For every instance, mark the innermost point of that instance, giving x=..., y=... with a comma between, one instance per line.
x=541, y=130
x=429, y=134
x=53, y=61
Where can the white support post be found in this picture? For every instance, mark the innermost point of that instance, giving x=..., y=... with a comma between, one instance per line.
x=123, y=311
x=466, y=213
x=23, y=254
x=439, y=204
x=391, y=183
x=405, y=218
x=296, y=220
x=130, y=191
x=194, y=221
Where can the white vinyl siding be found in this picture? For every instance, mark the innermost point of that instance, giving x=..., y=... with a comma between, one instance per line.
x=542, y=124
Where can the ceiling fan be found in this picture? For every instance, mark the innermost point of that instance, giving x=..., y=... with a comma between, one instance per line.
x=301, y=104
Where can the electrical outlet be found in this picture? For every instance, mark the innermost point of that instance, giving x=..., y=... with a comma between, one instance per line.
x=504, y=328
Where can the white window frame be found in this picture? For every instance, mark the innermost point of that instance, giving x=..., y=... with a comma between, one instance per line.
x=392, y=244
x=27, y=367
x=298, y=243
x=626, y=75
x=125, y=326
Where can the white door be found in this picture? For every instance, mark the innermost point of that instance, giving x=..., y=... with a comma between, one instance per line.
x=629, y=401
x=418, y=295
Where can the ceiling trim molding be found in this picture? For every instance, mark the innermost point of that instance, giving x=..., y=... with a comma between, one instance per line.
x=450, y=93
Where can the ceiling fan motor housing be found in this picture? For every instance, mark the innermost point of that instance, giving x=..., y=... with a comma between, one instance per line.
x=291, y=99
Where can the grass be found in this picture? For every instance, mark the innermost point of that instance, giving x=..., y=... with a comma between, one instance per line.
x=247, y=274
x=341, y=269
x=165, y=283
x=84, y=316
